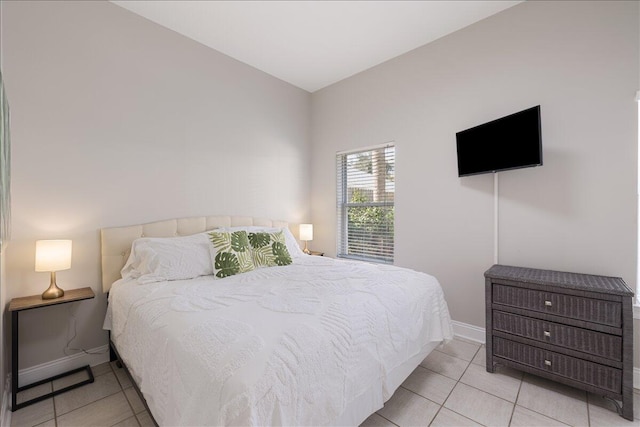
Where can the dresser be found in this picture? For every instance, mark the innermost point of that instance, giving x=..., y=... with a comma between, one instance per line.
x=573, y=328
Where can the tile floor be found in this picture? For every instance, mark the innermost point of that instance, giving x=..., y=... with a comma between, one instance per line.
x=450, y=388
x=109, y=401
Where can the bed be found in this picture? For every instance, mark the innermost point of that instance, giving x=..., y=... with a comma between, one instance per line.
x=316, y=342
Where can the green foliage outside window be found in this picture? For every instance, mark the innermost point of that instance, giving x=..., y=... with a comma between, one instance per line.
x=370, y=228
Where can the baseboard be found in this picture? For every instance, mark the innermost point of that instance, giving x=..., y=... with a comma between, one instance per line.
x=46, y=370
x=5, y=413
x=477, y=334
x=469, y=332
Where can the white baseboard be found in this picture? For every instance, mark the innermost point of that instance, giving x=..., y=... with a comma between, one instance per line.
x=5, y=413
x=49, y=369
x=477, y=334
x=469, y=332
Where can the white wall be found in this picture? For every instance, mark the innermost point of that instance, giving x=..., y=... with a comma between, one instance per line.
x=4, y=348
x=579, y=61
x=636, y=321
x=118, y=121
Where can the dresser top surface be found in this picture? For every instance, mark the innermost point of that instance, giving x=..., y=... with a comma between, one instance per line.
x=585, y=282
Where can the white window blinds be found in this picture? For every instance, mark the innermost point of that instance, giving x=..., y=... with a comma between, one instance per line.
x=365, y=203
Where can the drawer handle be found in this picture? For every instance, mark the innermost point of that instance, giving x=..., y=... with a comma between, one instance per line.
x=548, y=303
x=547, y=333
x=547, y=362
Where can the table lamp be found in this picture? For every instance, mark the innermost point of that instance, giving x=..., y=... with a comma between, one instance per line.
x=306, y=234
x=52, y=256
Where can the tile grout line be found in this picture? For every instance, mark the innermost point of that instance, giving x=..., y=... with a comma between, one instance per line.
x=490, y=394
x=428, y=400
x=135, y=417
x=536, y=412
x=53, y=402
x=516, y=401
x=484, y=391
x=456, y=384
x=468, y=385
x=459, y=381
x=130, y=406
x=588, y=412
x=90, y=403
x=87, y=404
x=382, y=416
x=451, y=355
x=440, y=406
x=418, y=394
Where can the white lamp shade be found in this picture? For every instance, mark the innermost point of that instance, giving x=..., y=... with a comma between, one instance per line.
x=53, y=255
x=306, y=231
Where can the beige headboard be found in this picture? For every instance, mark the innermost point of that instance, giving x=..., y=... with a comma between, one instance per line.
x=116, y=241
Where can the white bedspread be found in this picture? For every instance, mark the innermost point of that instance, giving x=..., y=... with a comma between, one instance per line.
x=290, y=345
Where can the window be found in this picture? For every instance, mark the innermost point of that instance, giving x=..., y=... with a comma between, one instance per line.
x=365, y=202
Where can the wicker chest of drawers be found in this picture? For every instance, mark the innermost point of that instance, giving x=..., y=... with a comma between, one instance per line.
x=576, y=329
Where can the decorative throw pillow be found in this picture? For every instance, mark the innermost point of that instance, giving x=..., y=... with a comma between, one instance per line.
x=292, y=244
x=232, y=253
x=269, y=249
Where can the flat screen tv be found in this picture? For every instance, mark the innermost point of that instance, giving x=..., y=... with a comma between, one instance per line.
x=511, y=142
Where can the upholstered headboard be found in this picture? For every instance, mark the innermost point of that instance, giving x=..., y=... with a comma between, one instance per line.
x=116, y=241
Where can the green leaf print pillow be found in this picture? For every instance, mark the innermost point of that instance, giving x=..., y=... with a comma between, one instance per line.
x=269, y=249
x=232, y=253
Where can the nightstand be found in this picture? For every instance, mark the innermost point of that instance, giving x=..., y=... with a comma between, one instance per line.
x=29, y=303
x=316, y=253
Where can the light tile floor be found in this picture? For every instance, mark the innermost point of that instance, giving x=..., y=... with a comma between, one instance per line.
x=109, y=401
x=450, y=388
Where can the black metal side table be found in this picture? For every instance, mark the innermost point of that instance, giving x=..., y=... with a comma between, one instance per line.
x=29, y=303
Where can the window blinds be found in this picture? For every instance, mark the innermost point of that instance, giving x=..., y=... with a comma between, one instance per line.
x=365, y=204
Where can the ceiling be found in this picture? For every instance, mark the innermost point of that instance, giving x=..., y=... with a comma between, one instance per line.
x=312, y=44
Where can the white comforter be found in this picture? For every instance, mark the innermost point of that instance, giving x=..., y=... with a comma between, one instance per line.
x=290, y=345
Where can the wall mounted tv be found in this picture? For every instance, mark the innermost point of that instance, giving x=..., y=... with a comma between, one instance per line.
x=511, y=142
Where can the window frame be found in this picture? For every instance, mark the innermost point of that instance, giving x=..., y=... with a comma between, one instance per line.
x=343, y=205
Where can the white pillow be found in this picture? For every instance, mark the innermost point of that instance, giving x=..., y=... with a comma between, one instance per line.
x=156, y=259
x=292, y=244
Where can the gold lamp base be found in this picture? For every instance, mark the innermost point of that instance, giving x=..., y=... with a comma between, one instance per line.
x=306, y=250
x=53, y=291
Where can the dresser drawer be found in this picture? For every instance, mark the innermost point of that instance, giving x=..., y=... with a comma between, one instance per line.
x=589, y=373
x=574, y=307
x=591, y=342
